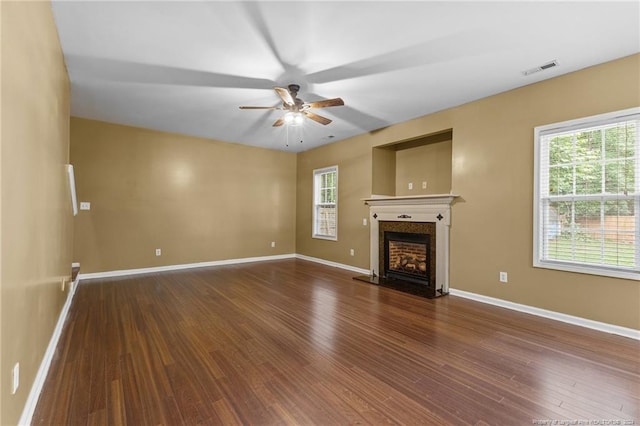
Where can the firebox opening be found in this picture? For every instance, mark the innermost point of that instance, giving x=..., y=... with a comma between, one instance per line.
x=407, y=256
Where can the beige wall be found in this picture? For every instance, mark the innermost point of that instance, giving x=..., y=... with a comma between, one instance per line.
x=383, y=172
x=36, y=209
x=197, y=200
x=353, y=158
x=492, y=171
x=429, y=163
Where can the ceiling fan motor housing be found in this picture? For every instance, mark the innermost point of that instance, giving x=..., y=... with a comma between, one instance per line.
x=294, y=88
x=297, y=103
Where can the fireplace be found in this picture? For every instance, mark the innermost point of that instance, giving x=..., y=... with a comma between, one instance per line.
x=410, y=243
x=406, y=256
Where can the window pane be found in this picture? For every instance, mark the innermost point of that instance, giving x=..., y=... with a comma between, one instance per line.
x=556, y=226
x=620, y=141
x=589, y=178
x=328, y=193
x=326, y=220
x=619, y=177
x=561, y=180
x=588, y=146
x=619, y=230
x=583, y=210
x=593, y=239
x=561, y=150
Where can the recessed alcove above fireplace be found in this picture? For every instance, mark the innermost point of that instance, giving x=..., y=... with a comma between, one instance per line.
x=410, y=243
x=417, y=166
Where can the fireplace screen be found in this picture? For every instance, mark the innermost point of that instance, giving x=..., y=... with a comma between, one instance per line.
x=407, y=256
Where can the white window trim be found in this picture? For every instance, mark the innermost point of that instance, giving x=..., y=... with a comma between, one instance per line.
x=616, y=272
x=316, y=172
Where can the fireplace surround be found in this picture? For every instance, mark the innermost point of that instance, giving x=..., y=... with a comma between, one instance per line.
x=410, y=221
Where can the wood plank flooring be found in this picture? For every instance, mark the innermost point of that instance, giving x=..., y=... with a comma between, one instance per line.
x=293, y=342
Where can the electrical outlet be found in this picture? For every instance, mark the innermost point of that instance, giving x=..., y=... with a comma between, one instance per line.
x=424, y=184
x=352, y=252
x=273, y=244
x=15, y=378
x=503, y=277
x=410, y=185
x=364, y=221
x=85, y=205
x=158, y=252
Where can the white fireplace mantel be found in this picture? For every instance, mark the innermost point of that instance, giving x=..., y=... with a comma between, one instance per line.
x=410, y=200
x=415, y=208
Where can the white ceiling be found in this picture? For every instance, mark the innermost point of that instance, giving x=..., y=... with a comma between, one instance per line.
x=186, y=67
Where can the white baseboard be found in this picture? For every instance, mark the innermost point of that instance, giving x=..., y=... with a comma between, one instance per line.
x=43, y=370
x=333, y=264
x=119, y=273
x=583, y=322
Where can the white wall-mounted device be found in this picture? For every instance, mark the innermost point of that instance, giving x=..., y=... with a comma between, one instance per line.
x=72, y=188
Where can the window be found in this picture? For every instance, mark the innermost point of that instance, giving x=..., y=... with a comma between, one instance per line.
x=587, y=195
x=325, y=203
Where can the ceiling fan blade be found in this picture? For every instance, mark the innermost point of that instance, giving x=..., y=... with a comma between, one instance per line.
x=326, y=103
x=315, y=117
x=285, y=95
x=279, y=122
x=258, y=107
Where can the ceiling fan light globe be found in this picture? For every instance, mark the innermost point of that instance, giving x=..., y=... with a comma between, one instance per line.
x=289, y=118
x=298, y=119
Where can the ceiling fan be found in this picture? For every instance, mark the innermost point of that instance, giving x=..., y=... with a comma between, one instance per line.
x=297, y=108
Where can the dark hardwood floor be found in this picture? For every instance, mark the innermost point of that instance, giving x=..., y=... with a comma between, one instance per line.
x=293, y=342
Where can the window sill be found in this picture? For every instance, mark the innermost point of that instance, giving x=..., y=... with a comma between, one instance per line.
x=324, y=237
x=588, y=269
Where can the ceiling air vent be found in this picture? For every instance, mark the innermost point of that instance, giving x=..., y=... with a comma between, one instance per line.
x=541, y=68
